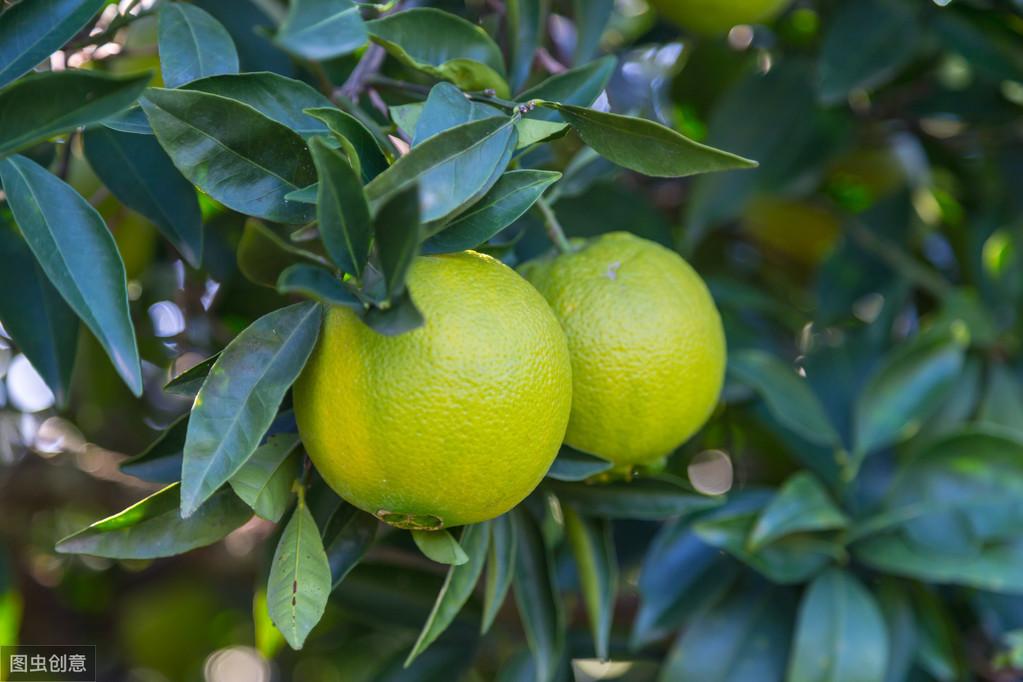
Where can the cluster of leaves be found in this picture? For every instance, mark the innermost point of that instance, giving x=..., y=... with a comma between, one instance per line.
x=879, y=527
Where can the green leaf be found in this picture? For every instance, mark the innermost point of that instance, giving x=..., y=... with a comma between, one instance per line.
x=744, y=636
x=900, y=623
x=537, y=597
x=240, y=397
x=397, y=229
x=840, y=633
x=580, y=86
x=151, y=528
x=348, y=535
x=787, y=395
x=322, y=29
x=572, y=465
x=800, y=505
x=161, y=461
x=141, y=175
x=400, y=317
x=300, y=582
x=263, y=255
x=32, y=31
x=645, y=498
x=453, y=169
x=525, y=26
x=42, y=105
x=79, y=256
x=372, y=155
x=341, y=209
x=868, y=43
x=278, y=98
x=1003, y=399
x=130, y=120
x=908, y=386
x=33, y=313
x=591, y=18
x=264, y=481
x=440, y=546
x=507, y=201
x=500, y=568
x=318, y=284
x=442, y=45
x=645, y=146
x=593, y=548
x=446, y=107
x=458, y=587
x=193, y=45
x=190, y=381
x=232, y=152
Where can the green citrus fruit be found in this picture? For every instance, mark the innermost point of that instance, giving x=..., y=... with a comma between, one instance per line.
x=646, y=342
x=715, y=17
x=452, y=423
x=798, y=230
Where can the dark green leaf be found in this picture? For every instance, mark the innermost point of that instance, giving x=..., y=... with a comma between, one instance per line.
x=240, y=397
x=900, y=623
x=525, y=22
x=341, y=209
x=572, y=465
x=250, y=23
x=318, y=284
x=151, y=528
x=840, y=633
x=645, y=146
x=372, y=155
x=42, y=105
x=300, y=582
x=32, y=31
x=264, y=481
x=263, y=255
x=507, y=201
x=232, y=152
x=594, y=552
x=189, y=382
x=322, y=29
x=161, y=461
x=400, y=317
x=788, y=397
x=446, y=107
x=35, y=316
x=644, y=498
x=452, y=169
x=140, y=174
x=440, y=546
x=580, y=86
x=591, y=18
x=745, y=636
x=868, y=43
x=443, y=45
x=801, y=505
x=906, y=388
x=193, y=45
x=347, y=536
x=397, y=229
x=131, y=120
x=278, y=98
x=537, y=597
x=79, y=256
x=500, y=568
x=458, y=587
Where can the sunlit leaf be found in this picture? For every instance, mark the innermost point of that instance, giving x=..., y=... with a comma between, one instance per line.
x=440, y=546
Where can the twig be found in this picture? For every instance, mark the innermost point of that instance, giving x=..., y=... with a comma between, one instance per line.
x=371, y=61
x=554, y=230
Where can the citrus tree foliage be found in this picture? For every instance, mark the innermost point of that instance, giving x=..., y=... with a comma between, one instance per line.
x=851, y=512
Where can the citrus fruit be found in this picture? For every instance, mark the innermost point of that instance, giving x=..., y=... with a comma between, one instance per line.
x=715, y=17
x=646, y=342
x=452, y=423
x=801, y=231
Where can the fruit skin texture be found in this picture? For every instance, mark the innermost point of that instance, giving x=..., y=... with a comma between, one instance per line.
x=646, y=341
x=716, y=17
x=452, y=423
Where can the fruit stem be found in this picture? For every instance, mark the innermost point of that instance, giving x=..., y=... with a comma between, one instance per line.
x=553, y=227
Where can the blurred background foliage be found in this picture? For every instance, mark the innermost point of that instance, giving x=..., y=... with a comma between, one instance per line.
x=870, y=435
